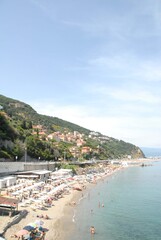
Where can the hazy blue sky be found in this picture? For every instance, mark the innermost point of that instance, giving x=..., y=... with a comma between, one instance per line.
x=96, y=63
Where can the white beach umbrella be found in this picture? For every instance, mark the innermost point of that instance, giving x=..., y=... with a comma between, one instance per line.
x=39, y=222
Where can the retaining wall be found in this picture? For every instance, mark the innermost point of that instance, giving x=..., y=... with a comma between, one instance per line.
x=39, y=166
x=7, y=168
x=10, y=167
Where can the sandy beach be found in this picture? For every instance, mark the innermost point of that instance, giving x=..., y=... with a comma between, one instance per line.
x=60, y=213
x=55, y=213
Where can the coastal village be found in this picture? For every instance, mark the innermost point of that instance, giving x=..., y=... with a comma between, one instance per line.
x=76, y=138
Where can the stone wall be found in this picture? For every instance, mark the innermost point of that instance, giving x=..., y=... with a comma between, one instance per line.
x=10, y=167
x=39, y=166
x=7, y=168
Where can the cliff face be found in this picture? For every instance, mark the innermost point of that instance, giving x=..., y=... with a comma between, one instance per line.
x=138, y=153
x=21, y=128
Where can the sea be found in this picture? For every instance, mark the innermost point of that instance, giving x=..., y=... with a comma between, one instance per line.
x=124, y=206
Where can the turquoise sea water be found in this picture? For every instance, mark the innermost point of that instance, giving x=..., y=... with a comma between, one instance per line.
x=132, y=206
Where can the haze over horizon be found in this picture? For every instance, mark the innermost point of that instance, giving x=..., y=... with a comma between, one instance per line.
x=93, y=63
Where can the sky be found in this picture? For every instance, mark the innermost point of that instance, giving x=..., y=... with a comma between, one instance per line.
x=95, y=63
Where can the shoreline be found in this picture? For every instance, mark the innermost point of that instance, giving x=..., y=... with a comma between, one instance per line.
x=66, y=224
x=61, y=213
x=67, y=219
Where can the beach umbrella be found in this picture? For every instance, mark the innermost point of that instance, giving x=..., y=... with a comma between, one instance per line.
x=29, y=228
x=32, y=224
x=77, y=187
x=42, y=229
x=22, y=232
x=39, y=223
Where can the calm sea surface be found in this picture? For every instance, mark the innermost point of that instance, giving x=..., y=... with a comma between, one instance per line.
x=132, y=206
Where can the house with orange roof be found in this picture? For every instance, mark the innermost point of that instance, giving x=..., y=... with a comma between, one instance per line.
x=86, y=149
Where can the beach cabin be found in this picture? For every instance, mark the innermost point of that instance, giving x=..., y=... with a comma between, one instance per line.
x=40, y=175
x=43, y=174
x=8, y=206
x=22, y=177
x=10, y=181
x=7, y=182
x=2, y=183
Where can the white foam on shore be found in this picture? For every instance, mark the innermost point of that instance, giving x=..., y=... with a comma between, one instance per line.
x=74, y=214
x=73, y=219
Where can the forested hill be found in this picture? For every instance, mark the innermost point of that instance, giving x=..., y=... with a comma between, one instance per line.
x=22, y=111
x=50, y=138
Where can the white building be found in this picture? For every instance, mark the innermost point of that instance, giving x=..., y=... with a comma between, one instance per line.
x=7, y=181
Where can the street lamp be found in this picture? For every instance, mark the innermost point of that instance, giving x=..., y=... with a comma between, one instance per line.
x=25, y=154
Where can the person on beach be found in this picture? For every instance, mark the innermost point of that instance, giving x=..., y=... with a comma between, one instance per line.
x=46, y=217
x=92, y=230
x=42, y=237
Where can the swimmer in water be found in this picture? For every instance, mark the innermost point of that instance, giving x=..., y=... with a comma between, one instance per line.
x=92, y=230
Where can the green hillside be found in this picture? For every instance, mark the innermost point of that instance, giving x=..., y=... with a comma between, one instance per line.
x=50, y=138
x=20, y=111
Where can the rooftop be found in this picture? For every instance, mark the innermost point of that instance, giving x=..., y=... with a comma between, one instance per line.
x=8, y=202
